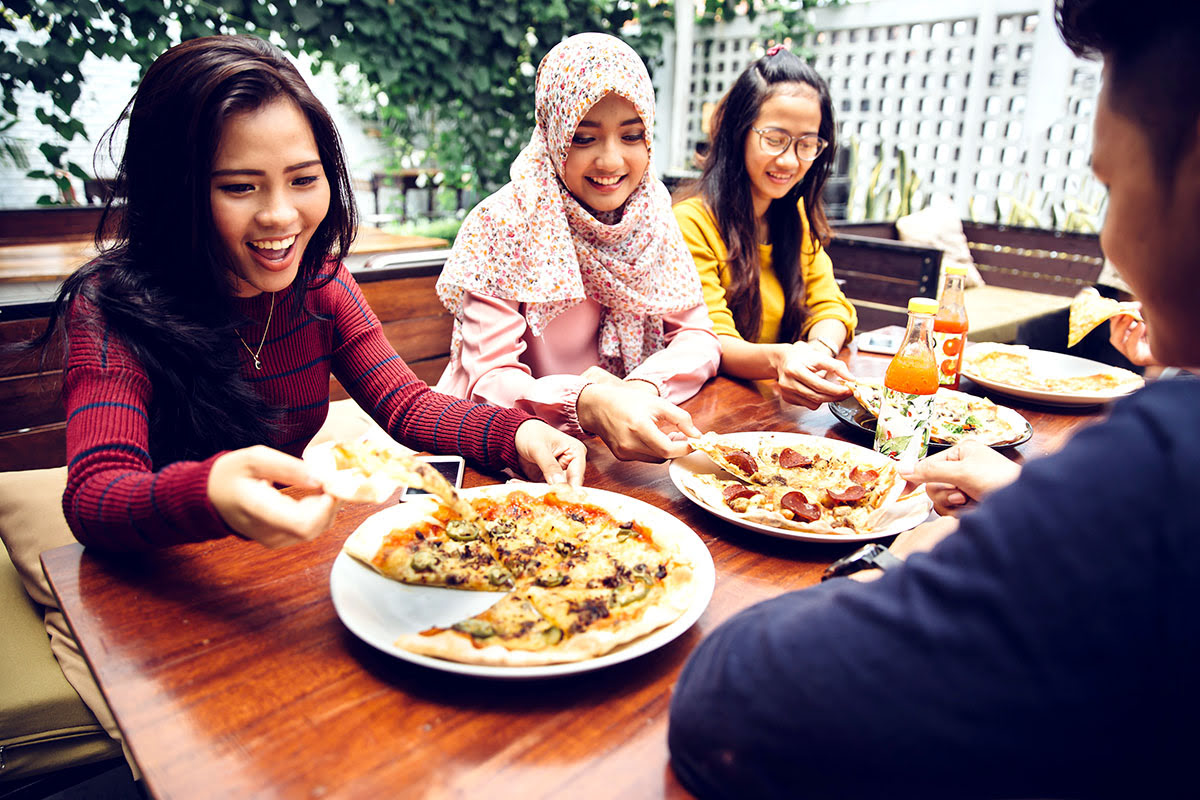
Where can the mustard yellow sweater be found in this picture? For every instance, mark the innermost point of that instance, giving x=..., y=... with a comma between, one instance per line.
x=821, y=293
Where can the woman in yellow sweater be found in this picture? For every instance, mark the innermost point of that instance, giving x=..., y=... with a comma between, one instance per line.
x=767, y=281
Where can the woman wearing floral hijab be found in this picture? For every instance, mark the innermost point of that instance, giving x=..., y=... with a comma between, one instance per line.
x=574, y=295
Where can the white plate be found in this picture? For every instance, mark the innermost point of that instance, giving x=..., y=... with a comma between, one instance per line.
x=911, y=511
x=1051, y=365
x=378, y=610
x=850, y=411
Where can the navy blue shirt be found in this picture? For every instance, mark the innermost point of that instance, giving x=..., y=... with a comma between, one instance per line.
x=1049, y=648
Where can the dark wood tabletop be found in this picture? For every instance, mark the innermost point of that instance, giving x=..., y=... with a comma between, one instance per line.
x=231, y=675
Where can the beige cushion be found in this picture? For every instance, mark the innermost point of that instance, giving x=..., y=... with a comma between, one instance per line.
x=31, y=522
x=44, y=726
x=938, y=225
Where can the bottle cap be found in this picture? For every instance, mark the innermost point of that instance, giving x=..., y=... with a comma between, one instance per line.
x=922, y=305
x=955, y=269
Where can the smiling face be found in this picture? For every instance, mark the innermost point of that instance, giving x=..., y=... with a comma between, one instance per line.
x=1150, y=232
x=608, y=155
x=268, y=192
x=795, y=109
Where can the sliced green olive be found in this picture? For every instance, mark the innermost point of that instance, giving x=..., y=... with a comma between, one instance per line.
x=553, y=635
x=564, y=548
x=498, y=576
x=551, y=578
x=424, y=561
x=462, y=530
x=475, y=627
x=623, y=535
x=628, y=593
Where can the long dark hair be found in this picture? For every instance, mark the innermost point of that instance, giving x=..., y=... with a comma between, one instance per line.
x=162, y=283
x=725, y=187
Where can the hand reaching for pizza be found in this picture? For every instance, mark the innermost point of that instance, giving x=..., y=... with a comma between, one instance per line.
x=548, y=452
x=967, y=472
x=636, y=425
x=1130, y=337
x=241, y=487
x=803, y=375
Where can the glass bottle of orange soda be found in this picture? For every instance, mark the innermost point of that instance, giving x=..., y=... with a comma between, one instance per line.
x=911, y=381
x=950, y=327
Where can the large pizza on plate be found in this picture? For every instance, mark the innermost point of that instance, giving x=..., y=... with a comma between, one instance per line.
x=799, y=483
x=581, y=576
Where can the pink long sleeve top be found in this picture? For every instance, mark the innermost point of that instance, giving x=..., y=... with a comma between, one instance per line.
x=502, y=362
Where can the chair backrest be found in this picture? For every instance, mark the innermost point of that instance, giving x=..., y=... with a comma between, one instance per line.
x=1035, y=259
x=879, y=275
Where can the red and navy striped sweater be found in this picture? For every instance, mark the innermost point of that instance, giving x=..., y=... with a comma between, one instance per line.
x=117, y=499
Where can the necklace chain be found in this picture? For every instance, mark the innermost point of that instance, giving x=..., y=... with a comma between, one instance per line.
x=255, y=353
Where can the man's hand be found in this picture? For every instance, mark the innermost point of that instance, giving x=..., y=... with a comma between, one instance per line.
x=966, y=472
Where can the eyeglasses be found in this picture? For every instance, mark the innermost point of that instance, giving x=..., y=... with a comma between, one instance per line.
x=775, y=142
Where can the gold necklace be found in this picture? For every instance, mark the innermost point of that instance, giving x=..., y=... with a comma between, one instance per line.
x=254, y=353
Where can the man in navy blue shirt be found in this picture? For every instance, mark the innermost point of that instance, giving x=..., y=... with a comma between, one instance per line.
x=1048, y=647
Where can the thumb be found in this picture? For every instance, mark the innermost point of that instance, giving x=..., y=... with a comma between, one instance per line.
x=935, y=471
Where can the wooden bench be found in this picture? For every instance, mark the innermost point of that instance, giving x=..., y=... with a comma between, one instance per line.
x=399, y=288
x=1029, y=273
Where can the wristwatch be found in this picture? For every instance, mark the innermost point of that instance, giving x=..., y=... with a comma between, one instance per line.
x=871, y=556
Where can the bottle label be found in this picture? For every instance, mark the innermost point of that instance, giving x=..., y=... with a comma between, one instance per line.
x=902, y=430
x=948, y=348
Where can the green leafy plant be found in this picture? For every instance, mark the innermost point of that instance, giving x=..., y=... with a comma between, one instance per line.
x=457, y=73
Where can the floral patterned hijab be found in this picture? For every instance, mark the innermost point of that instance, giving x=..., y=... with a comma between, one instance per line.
x=533, y=242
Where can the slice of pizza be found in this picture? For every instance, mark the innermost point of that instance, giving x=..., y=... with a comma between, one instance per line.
x=729, y=456
x=1089, y=309
x=369, y=471
x=512, y=632
x=429, y=547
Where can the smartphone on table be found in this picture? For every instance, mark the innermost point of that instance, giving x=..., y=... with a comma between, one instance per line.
x=451, y=468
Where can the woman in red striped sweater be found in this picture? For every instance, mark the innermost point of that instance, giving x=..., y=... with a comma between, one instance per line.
x=201, y=341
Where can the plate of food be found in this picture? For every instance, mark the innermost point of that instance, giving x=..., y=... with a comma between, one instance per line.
x=537, y=581
x=957, y=416
x=1046, y=377
x=796, y=486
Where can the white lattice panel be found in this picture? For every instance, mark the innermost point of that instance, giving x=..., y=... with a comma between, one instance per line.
x=983, y=98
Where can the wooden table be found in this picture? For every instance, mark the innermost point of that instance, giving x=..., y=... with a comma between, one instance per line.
x=231, y=676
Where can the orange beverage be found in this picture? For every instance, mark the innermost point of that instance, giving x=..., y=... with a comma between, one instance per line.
x=911, y=381
x=950, y=327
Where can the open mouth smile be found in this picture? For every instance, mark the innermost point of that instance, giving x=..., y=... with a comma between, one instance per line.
x=272, y=250
x=606, y=183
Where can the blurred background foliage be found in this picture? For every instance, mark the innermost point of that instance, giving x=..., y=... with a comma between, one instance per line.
x=451, y=78
x=446, y=85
